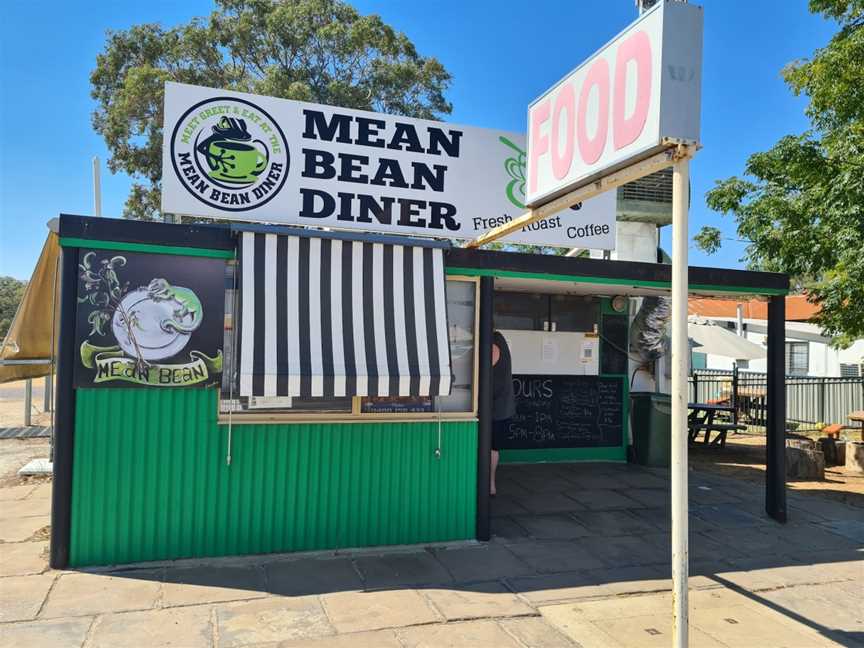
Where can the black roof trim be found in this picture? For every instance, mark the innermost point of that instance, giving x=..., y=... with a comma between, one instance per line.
x=624, y=270
x=213, y=236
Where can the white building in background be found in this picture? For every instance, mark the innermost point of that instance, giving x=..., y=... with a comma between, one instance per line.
x=808, y=351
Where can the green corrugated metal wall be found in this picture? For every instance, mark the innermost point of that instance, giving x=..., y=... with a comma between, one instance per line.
x=150, y=481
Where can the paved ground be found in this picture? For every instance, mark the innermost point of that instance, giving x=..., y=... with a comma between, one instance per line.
x=579, y=558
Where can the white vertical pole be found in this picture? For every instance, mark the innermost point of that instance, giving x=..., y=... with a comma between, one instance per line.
x=680, y=350
x=97, y=189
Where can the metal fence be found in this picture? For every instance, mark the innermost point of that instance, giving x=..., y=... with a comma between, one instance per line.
x=810, y=400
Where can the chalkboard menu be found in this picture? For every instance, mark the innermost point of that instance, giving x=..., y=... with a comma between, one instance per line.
x=566, y=412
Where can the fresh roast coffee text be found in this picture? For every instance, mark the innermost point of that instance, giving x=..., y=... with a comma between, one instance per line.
x=383, y=172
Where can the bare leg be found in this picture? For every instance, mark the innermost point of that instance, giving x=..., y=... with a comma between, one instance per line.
x=494, y=467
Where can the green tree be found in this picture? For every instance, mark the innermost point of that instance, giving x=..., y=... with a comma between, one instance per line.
x=801, y=204
x=312, y=50
x=11, y=294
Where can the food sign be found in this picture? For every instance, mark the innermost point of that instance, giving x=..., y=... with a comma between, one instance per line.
x=638, y=94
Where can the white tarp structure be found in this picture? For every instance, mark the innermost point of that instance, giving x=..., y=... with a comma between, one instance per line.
x=712, y=339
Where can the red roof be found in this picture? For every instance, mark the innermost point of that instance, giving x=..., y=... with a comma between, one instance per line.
x=798, y=309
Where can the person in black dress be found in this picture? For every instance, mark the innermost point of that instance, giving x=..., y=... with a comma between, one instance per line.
x=503, y=399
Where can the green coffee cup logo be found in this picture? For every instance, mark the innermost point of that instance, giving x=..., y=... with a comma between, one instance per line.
x=230, y=154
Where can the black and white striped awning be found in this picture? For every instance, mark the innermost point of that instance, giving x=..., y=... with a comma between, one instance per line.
x=329, y=317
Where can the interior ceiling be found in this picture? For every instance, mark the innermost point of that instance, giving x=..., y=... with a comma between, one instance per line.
x=552, y=286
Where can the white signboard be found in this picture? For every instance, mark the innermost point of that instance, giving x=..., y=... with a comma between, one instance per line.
x=637, y=94
x=253, y=158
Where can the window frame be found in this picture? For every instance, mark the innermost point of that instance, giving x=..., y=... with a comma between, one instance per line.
x=789, y=354
x=249, y=417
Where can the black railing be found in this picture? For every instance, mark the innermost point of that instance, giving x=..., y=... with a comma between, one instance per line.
x=811, y=401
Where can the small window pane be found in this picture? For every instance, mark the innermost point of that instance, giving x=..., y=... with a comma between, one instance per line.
x=461, y=310
x=797, y=358
x=521, y=311
x=575, y=313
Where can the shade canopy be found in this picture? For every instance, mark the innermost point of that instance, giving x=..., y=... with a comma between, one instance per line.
x=716, y=340
x=327, y=317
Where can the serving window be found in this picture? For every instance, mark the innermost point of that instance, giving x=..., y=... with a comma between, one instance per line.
x=457, y=358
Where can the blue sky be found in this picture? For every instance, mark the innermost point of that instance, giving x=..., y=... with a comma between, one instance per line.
x=48, y=49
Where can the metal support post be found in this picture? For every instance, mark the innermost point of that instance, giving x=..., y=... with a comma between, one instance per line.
x=484, y=405
x=775, y=451
x=680, y=352
x=47, y=395
x=28, y=402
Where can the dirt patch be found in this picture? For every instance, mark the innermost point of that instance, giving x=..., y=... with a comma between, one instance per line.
x=744, y=458
x=14, y=453
x=42, y=534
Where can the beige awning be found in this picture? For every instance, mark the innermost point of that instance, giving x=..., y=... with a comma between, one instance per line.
x=32, y=334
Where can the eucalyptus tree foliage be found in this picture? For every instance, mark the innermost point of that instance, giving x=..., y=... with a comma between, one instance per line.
x=801, y=203
x=322, y=51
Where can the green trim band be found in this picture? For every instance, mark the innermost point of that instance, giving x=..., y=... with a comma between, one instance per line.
x=147, y=247
x=641, y=283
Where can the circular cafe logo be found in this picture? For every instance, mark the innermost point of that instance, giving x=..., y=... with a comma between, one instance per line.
x=230, y=154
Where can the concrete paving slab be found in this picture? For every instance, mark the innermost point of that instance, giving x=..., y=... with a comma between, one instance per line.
x=650, y=497
x=850, y=529
x=477, y=601
x=815, y=537
x=623, y=551
x=630, y=580
x=25, y=508
x=557, y=526
x=356, y=612
x=614, y=523
x=506, y=529
x=54, y=633
x=84, y=594
x=642, y=479
x=594, y=480
x=653, y=631
x=534, y=632
x=211, y=584
x=836, y=607
x=560, y=587
x=548, y=503
x=188, y=627
x=584, y=634
x=470, y=634
x=548, y=484
x=270, y=619
x=12, y=493
x=505, y=505
x=725, y=515
x=601, y=499
x=311, y=576
x=469, y=564
x=22, y=558
x=374, y=639
x=22, y=528
x=402, y=570
x=547, y=557
x=21, y=597
x=741, y=625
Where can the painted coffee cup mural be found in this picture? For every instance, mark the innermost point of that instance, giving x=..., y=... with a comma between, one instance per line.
x=149, y=319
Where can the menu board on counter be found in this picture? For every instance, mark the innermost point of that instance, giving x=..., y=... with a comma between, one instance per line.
x=566, y=412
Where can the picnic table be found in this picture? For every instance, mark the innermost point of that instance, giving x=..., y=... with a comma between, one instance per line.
x=858, y=417
x=703, y=418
